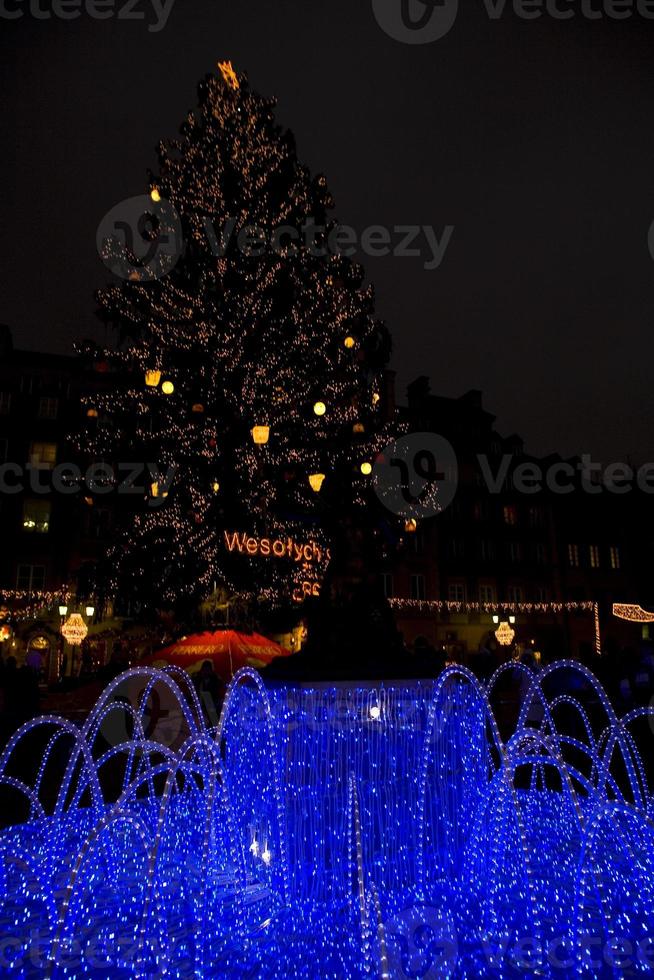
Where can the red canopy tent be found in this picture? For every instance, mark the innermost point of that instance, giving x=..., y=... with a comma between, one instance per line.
x=228, y=650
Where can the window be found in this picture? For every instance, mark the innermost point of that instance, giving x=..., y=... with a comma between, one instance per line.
x=5, y=402
x=615, y=557
x=511, y=514
x=541, y=553
x=418, y=587
x=43, y=454
x=456, y=592
x=515, y=551
x=593, y=551
x=30, y=578
x=486, y=550
x=387, y=584
x=573, y=555
x=36, y=516
x=486, y=593
x=514, y=593
x=48, y=408
x=457, y=548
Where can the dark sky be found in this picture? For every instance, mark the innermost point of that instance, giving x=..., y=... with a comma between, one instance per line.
x=535, y=139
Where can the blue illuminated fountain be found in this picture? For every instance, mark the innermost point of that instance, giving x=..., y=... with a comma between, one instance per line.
x=329, y=832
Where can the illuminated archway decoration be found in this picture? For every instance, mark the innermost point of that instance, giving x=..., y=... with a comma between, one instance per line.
x=74, y=630
x=632, y=613
x=504, y=634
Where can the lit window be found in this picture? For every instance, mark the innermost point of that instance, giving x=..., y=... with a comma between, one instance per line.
x=573, y=555
x=594, y=556
x=456, y=592
x=510, y=514
x=615, y=557
x=30, y=578
x=486, y=593
x=387, y=584
x=5, y=402
x=48, y=408
x=417, y=587
x=43, y=454
x=36, y=516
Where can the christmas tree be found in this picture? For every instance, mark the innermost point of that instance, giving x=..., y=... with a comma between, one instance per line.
x=250, y=362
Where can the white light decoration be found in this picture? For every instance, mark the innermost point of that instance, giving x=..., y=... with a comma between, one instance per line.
x=375, y=712
x=74, y=630
x=63, y=610
x=90, y=611
x=504, y=634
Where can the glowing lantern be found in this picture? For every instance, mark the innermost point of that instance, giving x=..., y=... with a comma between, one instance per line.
x=320, y=408
x=198, y=408
x=63, y=610
x=216, y=486
x=155, y=195
x=5, y=633
x=154, y=490
x=375, y=398
x=366, y=468
x=504, y=635
x=260, y=434
x=74, y=629
x=411, y=525
x=92, y=413
x=152, y=377
x=349, y=342
x=358, y=427
x=168, y=387
x=316, y=481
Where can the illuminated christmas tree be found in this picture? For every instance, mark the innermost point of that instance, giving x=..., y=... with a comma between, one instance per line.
x=251, y=362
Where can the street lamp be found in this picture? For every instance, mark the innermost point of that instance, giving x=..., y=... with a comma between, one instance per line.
x=63, y=610
x=90, y=611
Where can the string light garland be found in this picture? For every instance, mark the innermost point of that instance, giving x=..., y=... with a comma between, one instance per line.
x=632, y=613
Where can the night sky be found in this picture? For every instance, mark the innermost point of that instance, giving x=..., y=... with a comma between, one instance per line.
x=535, y=139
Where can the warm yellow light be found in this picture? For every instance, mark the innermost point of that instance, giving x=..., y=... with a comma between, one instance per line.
x=152, y=377
x=228, y=73
x=155, y=195
x=375, y=398
x=349, y=342
x=316, y=481
x=366, y=468
x=358, y=427
x=320, y=408
x=260, y=434
x=198, y=408
x=154, y=489
x=411, y=525
x=216, y=486
x=168, y=387
x=92, y=413
x=74, y=629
